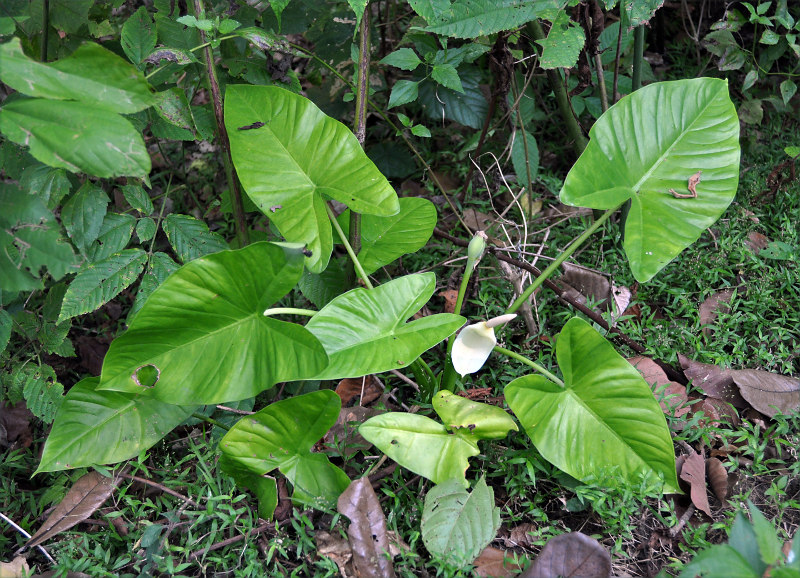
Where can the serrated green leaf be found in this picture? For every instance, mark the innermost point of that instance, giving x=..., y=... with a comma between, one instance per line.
x=173, y=106
x=447, y=76
x=718, y=561
x=742, y=538
x=769, y=546
x=138, y=198
x=49, y=184
x=681, y=129
x=403, y=92
x=83, y=215
x=563, y=44
x=159, y=267
x=30, y=241
x=190, y=237
x=473, y=18
x=523, y=162
x=76, y=136
x=175, y=55
x=264, y=40
x=145, y=229
x=98, y=283
x=92, y=75
x=69, y=15
x=469, y=108
x=299, y=158
x=204, y=332
x=105, y=427
x=281, y=436
x=457, y=525
x=52, y=336
x=421, y=445
x=604, y=418
x=640, y=12
x=138, y=35
x=115, y=233
x=228, y=25
x=384, y=239
x=363, y=331
x=5, y=329
x=358, y=7
x=403, y=58
x=43, y=395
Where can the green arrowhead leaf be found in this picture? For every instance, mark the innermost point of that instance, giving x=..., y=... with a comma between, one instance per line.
x=650, y=142
x=296, y=160
x=604, y=417
x=384, y=239
x=421, y=445
x=281, y=436
x=364, y=331
x=105, y=427
x=92, y=75
x=458, y=525
x=204, y=332
x=76, y=136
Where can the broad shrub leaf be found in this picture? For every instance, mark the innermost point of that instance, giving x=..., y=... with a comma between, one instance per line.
x=191, y=237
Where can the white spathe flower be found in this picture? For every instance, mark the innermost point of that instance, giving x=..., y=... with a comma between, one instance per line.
x=474, y=344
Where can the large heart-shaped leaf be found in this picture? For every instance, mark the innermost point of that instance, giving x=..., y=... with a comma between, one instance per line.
x=203, y=333
x=91, y=74
x=106, y=427
x=291, y=157
x=364, y=331
x=421, y=445
x=471, y=418
x=76, y=136
x=604, y=418
x=649, y=144
x=384, y=239
x=281, y=436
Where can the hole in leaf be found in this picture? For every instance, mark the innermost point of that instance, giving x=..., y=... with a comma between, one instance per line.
x=146, y=376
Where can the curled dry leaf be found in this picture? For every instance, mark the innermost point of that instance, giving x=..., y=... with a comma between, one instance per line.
x=518, y=536
x=17, y=568
x=693, y=471
x=15, y=425
x=716, y=302
x=756, y=242
x=450, y=297
x=715, y=412
x=715, y=381
x=717, y=478
x=337, y=549
x=368, y=388
x=590, y=284
x=367, y=532
x=82, y=500
x=670, y=394
x=496, y=563
x=769, y=393
x=569, y=555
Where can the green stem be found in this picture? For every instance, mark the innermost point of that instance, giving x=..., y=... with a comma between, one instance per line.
x=216, y=100
x=290, y=311
x=449, y=375
x=45, y=30
x=547, y=273
x=562, y=98
x=528, y=362
x=210, y=420
x=348, y=248
x=638, y=56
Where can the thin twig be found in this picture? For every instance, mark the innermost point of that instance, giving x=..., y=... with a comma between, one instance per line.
x=682, y=521
x=257, y=530
x=232, y=410
x=408, y=380
x=22, y=531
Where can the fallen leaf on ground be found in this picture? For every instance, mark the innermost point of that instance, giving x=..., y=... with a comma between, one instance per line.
x=17, y=568
x=337, y=549
x=715, y=381
x=15, y=425
x=517, y=536
x=693, y=471
x=369, y=388
x=622, y=298
x=769, y=393
x=716, y=412
x=367, y=531
x=496, y=563
x=476, y=220
x=572, y=554
x=716, y=302
x=671, y=395
x=344, y=433
x=81, y=501
x=591, y=284
x=450, y=297
x=756, y=241
x=717, y=478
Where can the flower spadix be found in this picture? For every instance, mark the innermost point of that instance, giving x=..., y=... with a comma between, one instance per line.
x=473, y=345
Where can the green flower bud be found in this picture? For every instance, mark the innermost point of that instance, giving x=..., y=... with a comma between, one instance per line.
x=476, y=248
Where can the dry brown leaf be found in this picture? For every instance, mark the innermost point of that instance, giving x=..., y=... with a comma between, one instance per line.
x=450, y=297
x=622, y=298
x=671, y=395
x=82, y=500
x=449, y=183
x=560, y=211
x=15, y=426
x=717, y=478
x=694, y=180
x=369, y=388
x=367, y=531
x=716, y=302
x=344, y=433
x=284, y=509
x=17, y=568
x=476, y=220
x=338, y=549
x=769, y=393
x=572, y=554
x=715, y=381
x=650, y=370
x=693, y=471
x=496, y=563
x=716, y=412
x=589, y=283
x=756, y=242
